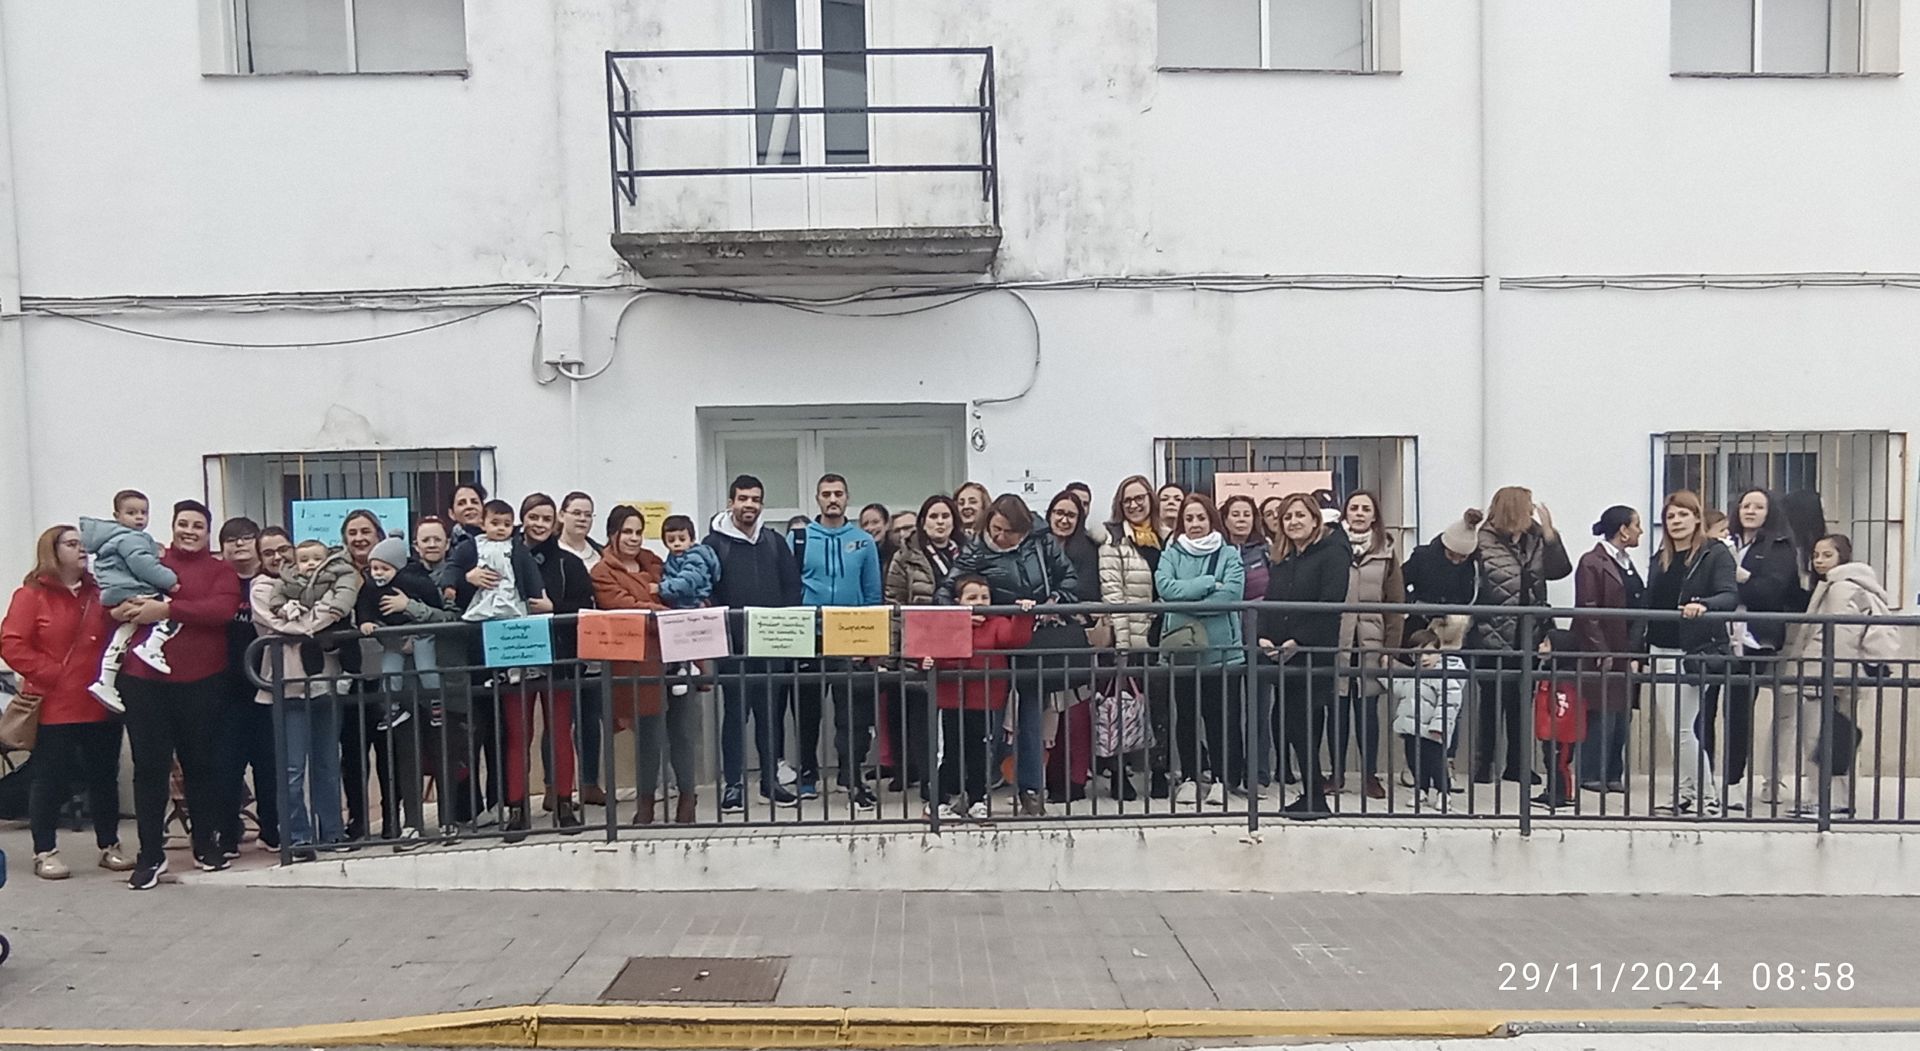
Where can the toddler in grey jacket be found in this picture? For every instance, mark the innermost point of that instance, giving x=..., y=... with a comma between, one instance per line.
x=126, y=565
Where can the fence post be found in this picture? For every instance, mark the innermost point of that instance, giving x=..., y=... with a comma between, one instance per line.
x=607, y=756
x=277, y=663
x=1255, y=746
x=1827, y=708
x=931, y=774
x=1527, y=668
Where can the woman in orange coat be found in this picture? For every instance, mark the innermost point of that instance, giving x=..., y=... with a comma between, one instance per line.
x=628, y=577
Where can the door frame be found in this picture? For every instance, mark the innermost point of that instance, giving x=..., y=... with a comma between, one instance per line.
x=815, y=205
x=716, y=423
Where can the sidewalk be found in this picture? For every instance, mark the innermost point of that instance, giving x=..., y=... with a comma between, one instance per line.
x=207, y=954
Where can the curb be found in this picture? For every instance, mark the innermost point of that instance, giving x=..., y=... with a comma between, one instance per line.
x=607, y=1026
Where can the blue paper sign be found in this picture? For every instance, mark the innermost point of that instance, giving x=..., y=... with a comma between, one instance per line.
x=519, y=642
x=321, y=519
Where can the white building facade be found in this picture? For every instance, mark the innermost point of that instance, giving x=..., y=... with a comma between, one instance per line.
x=254, y=251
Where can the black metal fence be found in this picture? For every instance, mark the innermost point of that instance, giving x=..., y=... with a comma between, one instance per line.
x=1061, y=729
x=628, y=74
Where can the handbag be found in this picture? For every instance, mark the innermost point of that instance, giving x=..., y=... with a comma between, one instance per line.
x=1120, y=723
x=20, y=722
x=1191, y=635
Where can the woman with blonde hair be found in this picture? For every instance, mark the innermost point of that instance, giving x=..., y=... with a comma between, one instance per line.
x=1310, y=563
x=1130, y=548
x=971, y=501
x=1518, y=552
x=1695, y=575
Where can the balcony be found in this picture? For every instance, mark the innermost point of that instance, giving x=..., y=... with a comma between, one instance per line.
x=807, y=162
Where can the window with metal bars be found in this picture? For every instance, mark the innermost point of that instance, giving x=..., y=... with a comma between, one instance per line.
x=263, y=486
x=1385, y=466
x=1859, y=475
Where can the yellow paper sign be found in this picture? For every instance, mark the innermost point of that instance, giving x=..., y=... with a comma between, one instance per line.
x=856, y=631
x=655, y=512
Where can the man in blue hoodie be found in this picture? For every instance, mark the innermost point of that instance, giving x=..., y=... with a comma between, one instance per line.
x=756, y=569
x=839, y=566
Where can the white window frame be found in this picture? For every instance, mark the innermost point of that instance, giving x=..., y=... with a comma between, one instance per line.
x=1380, y=45
x=224, y=46
x=227, y=494
x=1876, y=52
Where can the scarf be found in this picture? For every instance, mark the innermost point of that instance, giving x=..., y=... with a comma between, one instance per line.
x=1202, y=547
x=1144, y=535
x=1362, y=544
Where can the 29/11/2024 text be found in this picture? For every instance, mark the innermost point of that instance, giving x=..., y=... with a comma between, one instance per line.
x=1669, y=977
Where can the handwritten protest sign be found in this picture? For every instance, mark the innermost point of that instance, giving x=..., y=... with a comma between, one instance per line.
x=519, y=642
x=856, y=631
x=321, y=519
x=692, y=634
x=940, y=632
x=613, y=635
x=1265, y=485
x=780, y=632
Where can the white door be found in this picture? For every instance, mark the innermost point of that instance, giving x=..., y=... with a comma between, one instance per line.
x=887, y=458
x=811, y=199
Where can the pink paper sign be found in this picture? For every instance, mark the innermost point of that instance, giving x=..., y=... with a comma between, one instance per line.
x=692, y=634
x=940, y=632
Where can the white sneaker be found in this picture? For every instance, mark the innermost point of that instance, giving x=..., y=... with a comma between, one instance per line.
x=152, y=657
x=109, y=698
x=678, y=689
x=49, y=866
x=948, y=813
x=1216, y=794
x=787, y=775
x=978, y=811
x=1435, y=800
x=487, y=818
x=1187, y=793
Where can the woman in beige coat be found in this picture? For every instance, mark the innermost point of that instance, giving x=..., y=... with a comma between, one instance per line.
x=1130, y=549
x=1376, y=578
x=1846, y=589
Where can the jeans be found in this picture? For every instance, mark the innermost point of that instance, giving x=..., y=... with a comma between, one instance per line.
x=166, y=720
x=1427, y=759
x=359, y=730
x=1748, y=676
x=245, y=741
x=88, y=753
x=310, y=801
x=1676, y=710
x=1603, y=755
x=748, y=685
x=590, y=710
x=854, y=698
x=1306, y=697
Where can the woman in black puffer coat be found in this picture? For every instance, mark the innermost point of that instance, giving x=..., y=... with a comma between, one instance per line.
x=1311, y=563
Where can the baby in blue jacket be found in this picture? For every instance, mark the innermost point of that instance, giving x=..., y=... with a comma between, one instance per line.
x=126, y=565
x=692, y=571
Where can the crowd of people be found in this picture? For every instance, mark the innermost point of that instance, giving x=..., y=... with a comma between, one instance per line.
x=110, y=630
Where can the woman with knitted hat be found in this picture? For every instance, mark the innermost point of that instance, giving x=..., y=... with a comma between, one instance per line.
x=1441, y=572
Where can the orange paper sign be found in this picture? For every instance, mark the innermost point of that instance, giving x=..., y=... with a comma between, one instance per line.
x=613, y=635
x=856, y=631
x=940, y=632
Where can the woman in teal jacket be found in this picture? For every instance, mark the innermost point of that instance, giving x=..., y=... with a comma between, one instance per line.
x=1207, y=649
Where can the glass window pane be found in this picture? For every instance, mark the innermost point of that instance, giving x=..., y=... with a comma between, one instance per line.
x=1713, y=36
x=296, y=36
x=400, y=35
x=773, y=460
x=843, y=27
x=1210, y=33
x=776, y=82
x=1793, y=36
x=898, y=470
x=1317, y=34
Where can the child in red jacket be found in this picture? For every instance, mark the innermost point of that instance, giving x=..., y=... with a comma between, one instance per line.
x=1559, y=716
x=970, y=704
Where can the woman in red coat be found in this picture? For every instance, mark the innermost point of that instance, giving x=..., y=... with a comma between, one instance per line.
x=53, y=636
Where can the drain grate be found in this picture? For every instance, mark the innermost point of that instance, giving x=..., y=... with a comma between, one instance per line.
x=698, y=979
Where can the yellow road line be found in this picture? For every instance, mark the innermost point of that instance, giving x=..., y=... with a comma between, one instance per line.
x=609, y=1026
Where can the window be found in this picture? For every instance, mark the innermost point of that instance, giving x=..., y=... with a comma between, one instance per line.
x=1860, y=476
x=836, y=81
x=263, y=486
x=1785, y=37
x=1354, y=36
x=893, y=455
x=1388, y=467
x=347, y=36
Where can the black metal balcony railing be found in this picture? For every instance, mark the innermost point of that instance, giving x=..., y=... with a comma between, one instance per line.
x=1223, y=720
x=625, y=108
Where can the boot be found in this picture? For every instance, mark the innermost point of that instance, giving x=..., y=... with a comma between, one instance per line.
x=643, y=814
x=686, y=809
x=567, y=817
x=518, y=823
